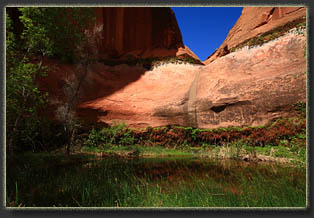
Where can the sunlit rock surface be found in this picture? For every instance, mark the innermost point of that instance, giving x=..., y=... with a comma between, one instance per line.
x=245, y=87
x=253, y=22
x=250, y=87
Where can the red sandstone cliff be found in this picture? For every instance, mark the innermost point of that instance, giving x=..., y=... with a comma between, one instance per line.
x=140, y=32
x=253, y=22
x=240, y=89
x=246, y=87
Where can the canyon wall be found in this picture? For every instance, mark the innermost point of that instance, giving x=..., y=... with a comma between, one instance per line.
x=140, y=32
x=246, y=87
x=255, y=21
x=249, y=87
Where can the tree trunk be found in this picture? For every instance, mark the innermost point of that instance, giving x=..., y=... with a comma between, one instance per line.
x=69, y=128
x=69, y=145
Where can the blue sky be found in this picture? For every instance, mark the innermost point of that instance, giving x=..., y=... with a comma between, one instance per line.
x=204, y=29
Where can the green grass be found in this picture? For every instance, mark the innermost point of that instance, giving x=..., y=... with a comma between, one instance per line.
x=125, y=178
x=293, y=153
x=154, y=183
x=143, y=151
x=208, y=193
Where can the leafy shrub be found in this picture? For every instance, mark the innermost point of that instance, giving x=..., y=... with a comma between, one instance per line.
x=93, y=138
x=283, y=132
x=300, y=107
x=127, y=138
x=117, y=134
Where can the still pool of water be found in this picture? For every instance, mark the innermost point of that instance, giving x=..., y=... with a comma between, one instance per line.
x=156, y=182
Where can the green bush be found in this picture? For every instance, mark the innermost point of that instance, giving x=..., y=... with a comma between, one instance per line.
x=93, y=138
x=127, y=138
x=117, y=134
x=300, y=107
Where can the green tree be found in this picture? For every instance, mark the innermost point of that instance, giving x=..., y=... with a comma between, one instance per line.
x=55, y=31
x=23, y=98
x=48, y=32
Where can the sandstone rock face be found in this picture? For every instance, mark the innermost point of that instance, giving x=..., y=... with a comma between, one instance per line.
x=248, y=87
x=251, y=87
x=253, y=22
x=141, y=32
x=150, y=98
